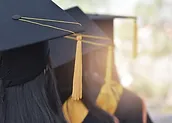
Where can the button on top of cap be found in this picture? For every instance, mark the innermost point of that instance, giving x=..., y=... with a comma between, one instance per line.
x=16, y=17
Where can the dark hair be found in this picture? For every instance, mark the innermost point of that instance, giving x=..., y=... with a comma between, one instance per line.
x=33, y=101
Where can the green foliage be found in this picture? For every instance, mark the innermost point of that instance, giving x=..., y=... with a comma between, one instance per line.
x=125, y=31
x=150, y=14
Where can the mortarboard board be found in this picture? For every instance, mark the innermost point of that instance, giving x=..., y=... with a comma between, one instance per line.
x=25, y=22
x=106, y=23
x=108, y=17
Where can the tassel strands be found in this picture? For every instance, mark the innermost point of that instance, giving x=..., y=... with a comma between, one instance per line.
x=108, y=76
x=77, y=78
x=109, y=94
x=73, y=106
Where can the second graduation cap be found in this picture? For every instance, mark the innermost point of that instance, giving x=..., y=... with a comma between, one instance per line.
x=106, y=23
x=68, y=47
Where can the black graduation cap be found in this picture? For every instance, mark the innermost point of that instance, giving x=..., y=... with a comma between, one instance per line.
x=106, y=23
x=68, y=51
x=25, y=22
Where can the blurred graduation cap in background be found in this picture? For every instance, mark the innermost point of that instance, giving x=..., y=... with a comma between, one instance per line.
x=106, y=23
x=129, y=101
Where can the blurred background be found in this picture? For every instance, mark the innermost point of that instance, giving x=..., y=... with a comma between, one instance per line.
x=150, y=74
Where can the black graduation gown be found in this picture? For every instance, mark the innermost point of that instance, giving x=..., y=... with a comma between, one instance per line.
x=129, y=109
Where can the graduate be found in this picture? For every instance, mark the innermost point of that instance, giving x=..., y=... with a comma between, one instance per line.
x=94, y=72
x=83, y=108
x=28, y=91
x=131, y=107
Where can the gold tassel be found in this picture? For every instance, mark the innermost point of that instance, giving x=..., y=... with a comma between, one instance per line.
x=77, y=78
x=109, y=94
x=73, y=107
x=135, y=39
x=108, y=76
